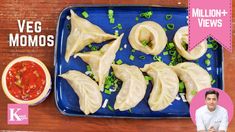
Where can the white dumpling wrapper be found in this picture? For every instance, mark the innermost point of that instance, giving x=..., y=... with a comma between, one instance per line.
x=100, y=61
x=181, y=36
x=90, y=98
x=194, y=77
x=82, y=34
x=133, y=88
x=165, y=85
x=148, y=31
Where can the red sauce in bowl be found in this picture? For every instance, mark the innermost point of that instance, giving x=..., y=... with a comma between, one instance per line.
x=25, y=80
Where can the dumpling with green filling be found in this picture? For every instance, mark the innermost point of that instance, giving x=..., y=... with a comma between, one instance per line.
x=82, y=34
x=90, y=98
x=165, y=85
x=194, y=77
x=181, y=42
x=148, y=37
x=100, y=61
x=133, y=87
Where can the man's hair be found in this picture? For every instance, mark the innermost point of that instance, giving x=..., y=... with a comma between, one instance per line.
x=212, y=92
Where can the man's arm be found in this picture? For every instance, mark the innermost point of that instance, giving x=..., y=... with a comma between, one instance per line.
x=199, y=122
x=224, y=123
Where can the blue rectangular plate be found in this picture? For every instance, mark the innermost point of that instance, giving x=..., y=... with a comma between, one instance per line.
x=66, y=99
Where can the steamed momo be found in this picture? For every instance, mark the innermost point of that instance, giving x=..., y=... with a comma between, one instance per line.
x=148, y=37
x=82, y=34
x=165, y=85
x=194, y=77
x=100, y=61
x=133, y=87
x=90, y=98
x=181, y=38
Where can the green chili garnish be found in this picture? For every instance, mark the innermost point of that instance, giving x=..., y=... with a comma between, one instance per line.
x=121, y=49
x=119, y=26
x=133, y=50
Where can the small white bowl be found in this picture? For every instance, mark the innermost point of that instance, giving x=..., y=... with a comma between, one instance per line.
x=47, y=87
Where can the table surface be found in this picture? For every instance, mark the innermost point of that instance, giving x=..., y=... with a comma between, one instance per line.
x=46, y=117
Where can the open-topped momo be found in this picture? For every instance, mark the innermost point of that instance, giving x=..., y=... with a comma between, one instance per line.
x=194, y=77
x=133, y=87
x=90, y=98
x=165, y=85
x=181, y=42
x=148, y=37
x=82, y=34
x=100, y=61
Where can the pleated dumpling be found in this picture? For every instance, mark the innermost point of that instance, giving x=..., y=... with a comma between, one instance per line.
x=194, y=77
x=82, y=34
x=133, y=86
x=148, y=37
x=90, y=98
x=100, y=61
x=165, y=85
x=181, y=42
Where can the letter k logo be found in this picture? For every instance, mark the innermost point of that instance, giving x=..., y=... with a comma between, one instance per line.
x=17, y=114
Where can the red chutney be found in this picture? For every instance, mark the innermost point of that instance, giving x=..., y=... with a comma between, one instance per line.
x=26, y=80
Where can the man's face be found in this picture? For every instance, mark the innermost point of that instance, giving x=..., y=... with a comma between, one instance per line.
x=211, y=101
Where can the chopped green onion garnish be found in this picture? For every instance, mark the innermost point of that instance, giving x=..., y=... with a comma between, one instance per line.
x=94, y=48
x=208, y=55
x=210, y=46
x=89, y=45
x=215, y=46
x=213, y=81
x=207, y=62
x=133, y=50
x=110, y=12
x=111, y=20
x=157, y=58
x=147, y=14
x=137, y=18
x=119, y=26
x=110, y=108
x=121, y=49
x=193, y=92
x=170, y=26
x=171, y=45
x=147, y=79
x=165, y=29
x=131, y=57
x=85, y=14
x=88, y=68
x=172, y=52
x=168, y=16
x=129, y=110
x=107, y=91
x=165, y=53
x=142, y=57
x=119, y=62
x=144, y=42
x=181, y=87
